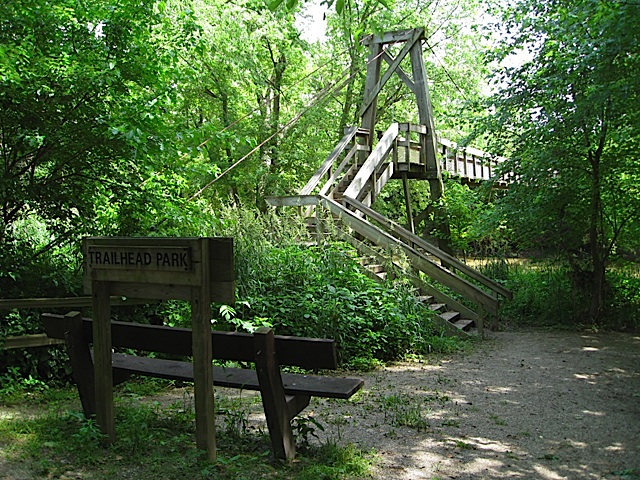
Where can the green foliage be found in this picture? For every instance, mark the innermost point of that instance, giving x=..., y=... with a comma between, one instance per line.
x=319, y=291
x=567, y=118
x=152, y=441
x=543, y=295
x=322, y=292
x=547, y=293
x=623, y=310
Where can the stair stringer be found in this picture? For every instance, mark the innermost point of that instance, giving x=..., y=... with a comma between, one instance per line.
x=441, y=324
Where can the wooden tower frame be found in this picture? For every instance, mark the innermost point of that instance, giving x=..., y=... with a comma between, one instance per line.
x=417, y=83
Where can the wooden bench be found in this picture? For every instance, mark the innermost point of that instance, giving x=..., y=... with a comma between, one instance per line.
x=283, y=395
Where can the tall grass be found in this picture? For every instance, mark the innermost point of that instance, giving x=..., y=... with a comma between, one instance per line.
x=319, y=291
x=546, y=295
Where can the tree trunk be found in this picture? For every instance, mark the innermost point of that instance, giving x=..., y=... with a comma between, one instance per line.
x=597, y=248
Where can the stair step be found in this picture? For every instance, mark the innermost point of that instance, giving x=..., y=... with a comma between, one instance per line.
x=436, y=307
x=464, y=324
x=450, y=316
x=375, y=268
x=425, y=298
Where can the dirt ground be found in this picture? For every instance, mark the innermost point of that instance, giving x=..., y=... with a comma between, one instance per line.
x=521, y=405
x=531, y=404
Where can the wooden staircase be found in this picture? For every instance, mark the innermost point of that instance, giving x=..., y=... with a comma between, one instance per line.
x=343, y=189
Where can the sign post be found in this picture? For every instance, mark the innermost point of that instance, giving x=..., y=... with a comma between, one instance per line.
x=199, y=270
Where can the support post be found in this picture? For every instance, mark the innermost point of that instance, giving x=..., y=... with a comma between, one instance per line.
x=407, y=202
x=202, y=355
x=81, y=362
x=373, y=75
x=103, y=372
x=273, y=397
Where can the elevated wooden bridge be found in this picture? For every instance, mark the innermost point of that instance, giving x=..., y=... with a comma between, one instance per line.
x=352, y=176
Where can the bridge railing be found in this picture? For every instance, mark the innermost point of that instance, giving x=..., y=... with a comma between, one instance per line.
x=467, y=162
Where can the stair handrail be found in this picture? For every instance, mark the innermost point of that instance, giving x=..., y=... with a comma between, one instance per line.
x=348, y=137
x=412, y=239
x=373, y=161
x=417, y=258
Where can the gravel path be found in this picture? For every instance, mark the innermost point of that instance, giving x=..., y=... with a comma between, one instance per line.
x=539, y=405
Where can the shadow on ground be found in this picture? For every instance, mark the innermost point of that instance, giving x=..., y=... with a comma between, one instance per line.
x=537, y=405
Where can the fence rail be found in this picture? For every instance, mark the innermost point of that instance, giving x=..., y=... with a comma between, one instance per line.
x=41, y=339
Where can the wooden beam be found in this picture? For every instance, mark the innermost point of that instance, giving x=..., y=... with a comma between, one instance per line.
x=373, y=93
x=373, y=161
x=373, y=74
x=103, y=373
x=82, y=366
x=202, y=355
x=407, y=202
x=329, y=161
x=66, y=302
x=274, y=402
x=307, y=353
x=391, y=37
x=29, y=341
x=437, y=272
x=423, y=244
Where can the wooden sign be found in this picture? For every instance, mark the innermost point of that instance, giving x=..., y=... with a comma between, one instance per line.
x=199, y=270
x=161, y=259
x=160, y=268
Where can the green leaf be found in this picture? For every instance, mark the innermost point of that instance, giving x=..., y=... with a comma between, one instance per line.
x=273, y=6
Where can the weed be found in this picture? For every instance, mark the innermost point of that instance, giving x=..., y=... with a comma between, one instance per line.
x=464, y=445
x=304, y=428
x=498, y=420
x=405, y=411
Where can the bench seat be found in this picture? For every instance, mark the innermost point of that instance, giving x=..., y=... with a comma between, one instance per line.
x=294, y=383
x=284, y=395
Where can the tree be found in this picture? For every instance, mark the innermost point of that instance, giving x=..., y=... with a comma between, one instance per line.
x=569, y=119
x=80, y=101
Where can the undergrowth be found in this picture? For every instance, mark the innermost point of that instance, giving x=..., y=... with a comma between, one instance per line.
x=48, y=438
x=545, y=295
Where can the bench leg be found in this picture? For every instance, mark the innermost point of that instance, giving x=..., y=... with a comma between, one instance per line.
x=274, y=402
x=81, y=362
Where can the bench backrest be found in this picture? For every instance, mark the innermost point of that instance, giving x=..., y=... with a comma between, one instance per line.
x=309, y=353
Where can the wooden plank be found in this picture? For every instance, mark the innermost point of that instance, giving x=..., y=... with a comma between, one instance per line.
x=64, y=302
x=401, y=73
x=451, y=316
x=349, y=135
x=308, y=353
x=373, y=161
x=29, y=341
x=103, y=373
x=245, y=379
x=273, y=396
x=202, y=355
